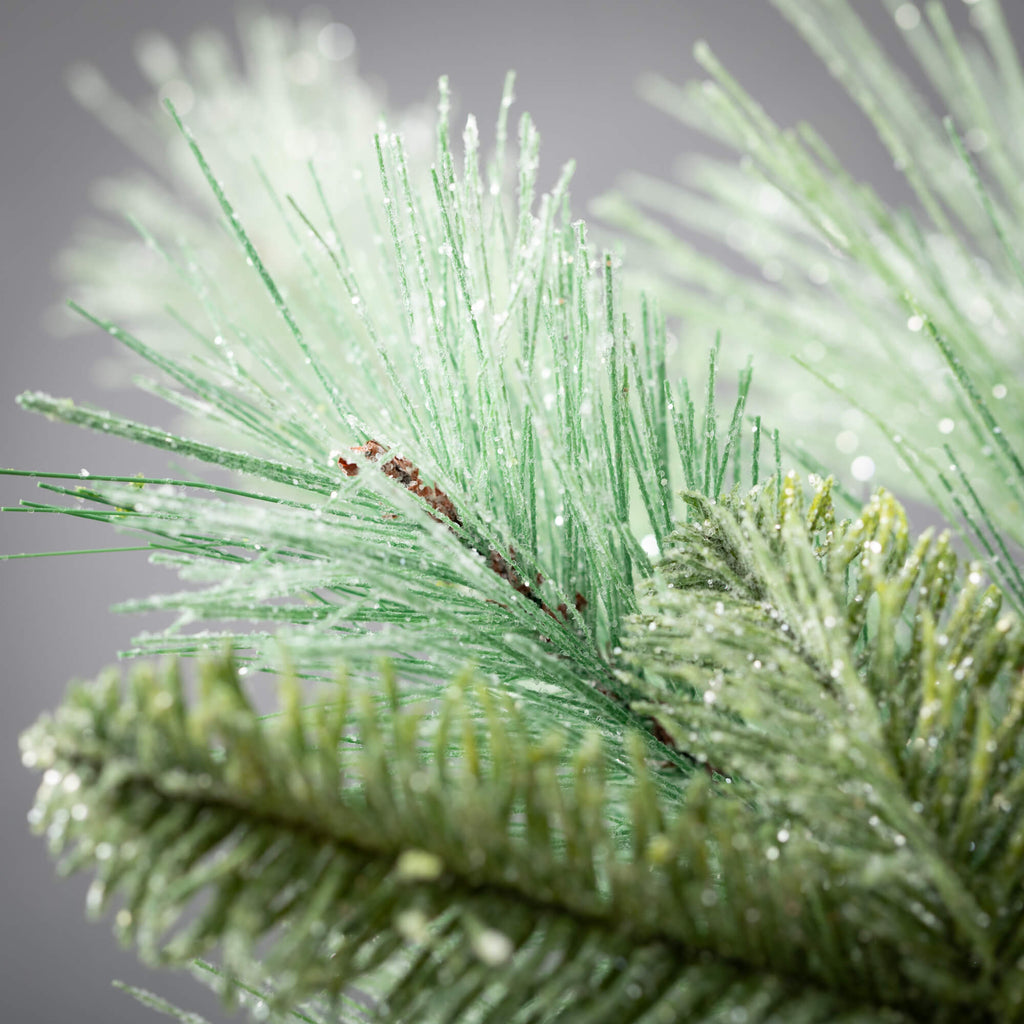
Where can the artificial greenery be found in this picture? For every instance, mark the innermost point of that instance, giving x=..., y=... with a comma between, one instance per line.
x=863, y=864
x=721, y=744
x=907, y=313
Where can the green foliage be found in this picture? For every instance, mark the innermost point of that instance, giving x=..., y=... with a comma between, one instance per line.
x=864, y=861
x=870, y=703
x=537, y=435
x=453, y=870
x=294, y=96
x=909, y=314
x=443, y=436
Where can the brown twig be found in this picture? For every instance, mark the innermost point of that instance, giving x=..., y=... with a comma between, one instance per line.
x=408, y=475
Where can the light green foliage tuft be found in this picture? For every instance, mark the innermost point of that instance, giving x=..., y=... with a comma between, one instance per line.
x=469, y=461
x=453, y=868
x=867, y=699
x=911, y=315
x=266, y=102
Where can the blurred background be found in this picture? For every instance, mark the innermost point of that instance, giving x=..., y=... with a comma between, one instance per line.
x=577, y=63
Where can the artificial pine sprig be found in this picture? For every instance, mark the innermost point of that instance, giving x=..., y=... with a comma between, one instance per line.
x=534, y=440
x=455, y=440
x=844, y=677
x=295, y=95
x=909, y=314
x=865, y=862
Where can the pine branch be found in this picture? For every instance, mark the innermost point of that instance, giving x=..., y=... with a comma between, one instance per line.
x=844, y=676
x=458, y=874
x=295, y=96
x=448, y=443
x=930, y=294
x=532, y=428
x=855, y=692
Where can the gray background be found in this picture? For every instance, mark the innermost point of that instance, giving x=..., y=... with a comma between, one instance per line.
x=577, y=63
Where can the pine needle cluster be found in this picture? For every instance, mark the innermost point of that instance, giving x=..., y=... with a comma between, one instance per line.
x=588, y=711
x=908, y=314
x=864, y=861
